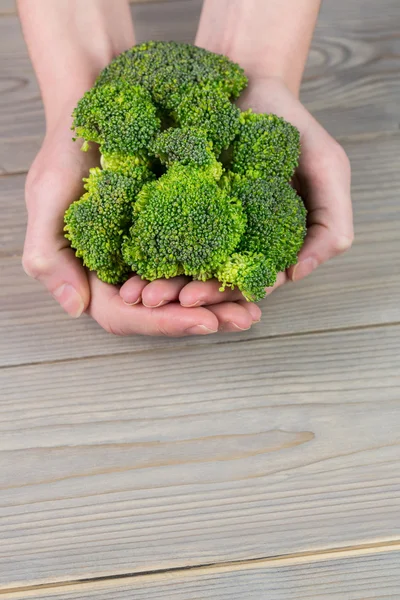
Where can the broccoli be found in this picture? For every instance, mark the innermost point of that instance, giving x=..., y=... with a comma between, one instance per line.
x=166, y=68
x=183, y=223
x=251, y=272
x=276, y=220
x=189, y=184
x=267, y=147
x=120, y=117
x=96, y=223
x=212, y=110
x=186, y=146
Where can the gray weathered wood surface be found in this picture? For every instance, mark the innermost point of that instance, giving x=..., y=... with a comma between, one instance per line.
x=129, y=456
x=366, y=576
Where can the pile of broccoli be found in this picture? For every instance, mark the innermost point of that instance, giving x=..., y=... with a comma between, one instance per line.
x=188, y=183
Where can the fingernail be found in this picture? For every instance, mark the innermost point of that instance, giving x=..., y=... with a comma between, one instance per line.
x=198, y=303
x=200, y=330
x=304, y=268
x=237, y=327
x=132, y=303
x=70, y=300
x=154, y=305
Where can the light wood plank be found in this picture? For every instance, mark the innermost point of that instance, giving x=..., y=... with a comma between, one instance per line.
x=203, y=455
x=352, y=82
x=360, y=577
x=8, y=7
x=360, y=288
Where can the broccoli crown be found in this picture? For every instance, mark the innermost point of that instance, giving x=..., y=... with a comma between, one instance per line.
x=267, y=147
x=165, y=68
x=276, y=220
x=126, y=164
x=120, y=117
x=250, y=272
x=189, y=184
x=96, y=223
x=185, y=146
x=208, y=108
x=183, y=223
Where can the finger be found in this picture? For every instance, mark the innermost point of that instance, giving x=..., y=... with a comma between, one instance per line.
x=162, y=291
x=47, y=256
x=330, y=217
x=234, y=316
x=199, y=293
x=111, y=312
x=131, y=290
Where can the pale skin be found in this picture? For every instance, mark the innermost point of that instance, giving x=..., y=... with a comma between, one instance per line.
x=270, y=39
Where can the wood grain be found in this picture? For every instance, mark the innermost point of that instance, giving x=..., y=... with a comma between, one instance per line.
x=359, y=577
x=209, y=454
x=358, y=289
x=352, y=81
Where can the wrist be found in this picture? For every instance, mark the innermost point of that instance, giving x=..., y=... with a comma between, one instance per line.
x=267, y=39
x=70, y=42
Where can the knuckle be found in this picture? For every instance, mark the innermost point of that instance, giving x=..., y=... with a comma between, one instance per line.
x=41, y=182
x=342, y=243
x=35, y=264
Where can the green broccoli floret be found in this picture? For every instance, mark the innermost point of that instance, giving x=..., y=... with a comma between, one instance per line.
x=96, y=224
x=276, y=220
x=250, y=272
x=120, y=117
x=165, y=68
x=183, y=223
x=209, y=109
x=267, y=147
x=185, y=146
x=125, y=164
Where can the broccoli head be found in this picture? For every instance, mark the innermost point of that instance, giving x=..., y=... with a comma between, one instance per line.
x=96, y=224
x=183, y=223
x=250, y=272
x=209, y=109
x=267, y=147
x=120, y=117
x=166, y=68
x=185, y=146
x=276, y=220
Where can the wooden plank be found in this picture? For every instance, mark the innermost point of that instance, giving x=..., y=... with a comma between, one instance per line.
x=352, y=82
x=358, y=289
x=7, y=7
x=367, y=576
x=137, y=463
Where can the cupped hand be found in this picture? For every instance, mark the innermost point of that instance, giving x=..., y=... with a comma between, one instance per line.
x=323, y=177
x=323, y=181
x=53, y=182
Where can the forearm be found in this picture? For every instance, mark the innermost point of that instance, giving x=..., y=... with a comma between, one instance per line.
x=69, y=42
x=268, y=38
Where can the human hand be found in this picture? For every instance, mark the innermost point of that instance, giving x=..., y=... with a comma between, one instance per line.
x=53, y=182
x=322, y=178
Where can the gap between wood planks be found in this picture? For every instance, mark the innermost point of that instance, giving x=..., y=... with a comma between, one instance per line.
x=296, y=558
x=294, y=334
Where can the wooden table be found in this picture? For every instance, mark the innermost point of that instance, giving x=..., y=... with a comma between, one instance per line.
x=263, y=465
